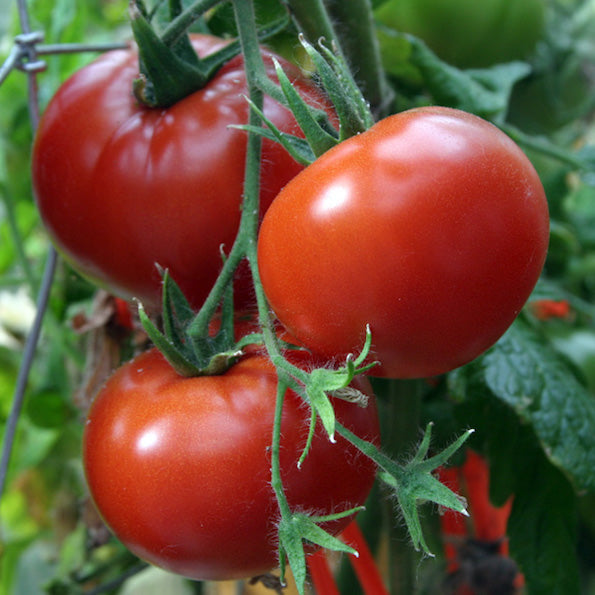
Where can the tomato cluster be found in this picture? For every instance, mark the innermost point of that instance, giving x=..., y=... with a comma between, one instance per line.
x=180, y=468
x=430, y=229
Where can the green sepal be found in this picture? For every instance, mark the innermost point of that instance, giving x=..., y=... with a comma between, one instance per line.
x=297, y=147
x=351, y=107
x=189, y=356
x=182, y=46
x=177, y=312
x=416, y=483
x=336, y=382
x=165, y=77
x=176, y=356
x=318, y=137
x=293, y=531
x=221, y=362
x=251, y=339
x=352, y=89
x=181, y=356
x=170, y=69
x=321, y=404
x=311, y=433
x=354, y=114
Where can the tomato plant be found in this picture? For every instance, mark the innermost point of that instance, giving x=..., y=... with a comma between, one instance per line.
x=533, y=387
x=179, y=467
x=431, y=227
x=467, y=33
x=122, y=187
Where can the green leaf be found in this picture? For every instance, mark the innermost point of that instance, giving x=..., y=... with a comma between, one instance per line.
x=522, y=371
x=484, y=92
x=34, y=568
x=542, y=528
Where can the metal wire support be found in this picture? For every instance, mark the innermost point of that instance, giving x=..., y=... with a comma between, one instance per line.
x=25, y=56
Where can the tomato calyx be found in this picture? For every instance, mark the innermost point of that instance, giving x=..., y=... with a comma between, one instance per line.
x=352, y=109
x=190, y=353
x=298, y=527
x=169, y=67
x=416, y=482
x=322, y=382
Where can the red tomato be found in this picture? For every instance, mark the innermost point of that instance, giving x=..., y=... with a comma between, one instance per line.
x=121, y=187
x=179, y=468
x=432, y=227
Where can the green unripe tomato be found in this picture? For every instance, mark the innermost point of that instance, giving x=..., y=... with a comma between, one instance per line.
x=468, y=33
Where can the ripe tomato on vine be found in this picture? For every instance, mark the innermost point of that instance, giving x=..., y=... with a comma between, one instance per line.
x=432, y=227
x=122, y=187
x=180, y=469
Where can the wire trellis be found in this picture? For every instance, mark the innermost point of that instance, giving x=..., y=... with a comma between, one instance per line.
x=25, y=56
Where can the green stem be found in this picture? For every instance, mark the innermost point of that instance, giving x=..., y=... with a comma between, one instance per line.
x=255, y=73
x=313, y=20
x=400, y=408
x=258, y=83
x=200, y=324
x=276, y=480
x=245, y=242
x=180, y=25
x=354, y=26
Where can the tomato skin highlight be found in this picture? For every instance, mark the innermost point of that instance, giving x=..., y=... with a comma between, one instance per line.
x=432, y=227
x=122, y=187
x=179, y=468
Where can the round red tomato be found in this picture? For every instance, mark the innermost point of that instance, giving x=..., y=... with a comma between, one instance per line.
x=432, y=227
x=179, y=468
x=122, y=187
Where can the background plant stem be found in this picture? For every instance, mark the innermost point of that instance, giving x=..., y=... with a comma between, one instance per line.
x=313, y=20
x=180, y=25
x=400, y=407
x=354, y=28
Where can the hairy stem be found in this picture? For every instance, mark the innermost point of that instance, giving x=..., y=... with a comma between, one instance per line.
x=245, y=241
x=354, y=27
x=313, y=20
x=180, y=25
